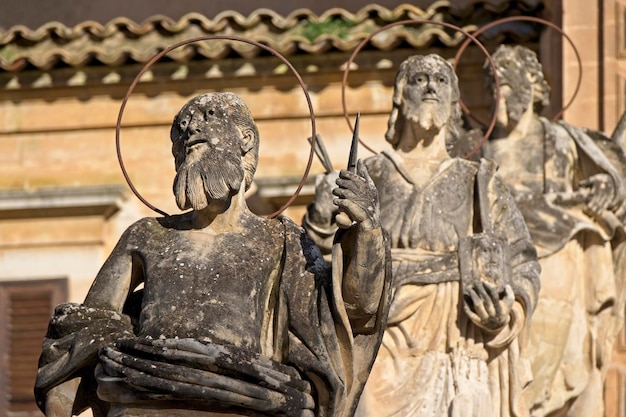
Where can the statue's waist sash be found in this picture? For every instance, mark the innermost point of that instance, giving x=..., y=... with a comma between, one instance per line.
x=414, y=266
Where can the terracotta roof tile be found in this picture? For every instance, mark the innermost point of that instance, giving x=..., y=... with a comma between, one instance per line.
x=122, y=41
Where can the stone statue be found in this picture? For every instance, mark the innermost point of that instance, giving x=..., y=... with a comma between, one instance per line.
x=238, y=314
x=569, y=185
x=465, y=273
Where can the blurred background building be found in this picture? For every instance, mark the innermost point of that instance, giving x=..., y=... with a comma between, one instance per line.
x=66, y=66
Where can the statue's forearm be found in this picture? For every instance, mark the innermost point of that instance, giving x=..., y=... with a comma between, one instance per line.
x=365, y=259
x=60, y=399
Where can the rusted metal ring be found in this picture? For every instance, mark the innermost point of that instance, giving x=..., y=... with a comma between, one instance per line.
x=420, y=21
x=169, y=49
x=534, y=19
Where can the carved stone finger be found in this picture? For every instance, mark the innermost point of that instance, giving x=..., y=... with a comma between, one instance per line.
x=472, y=316
x=509, y=297
x=478, y=305
x=353, y=210
x=345, y=193
x=494, y=292
x=488, y=303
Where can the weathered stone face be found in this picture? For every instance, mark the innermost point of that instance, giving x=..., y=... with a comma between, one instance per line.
x=425, y=97
x=428, y=93
x=210, y=136
x=519, y=75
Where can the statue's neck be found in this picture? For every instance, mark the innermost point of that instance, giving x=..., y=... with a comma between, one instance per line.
x=222, y=218
x=524, y=126
x=422, y=155
x=419, y=143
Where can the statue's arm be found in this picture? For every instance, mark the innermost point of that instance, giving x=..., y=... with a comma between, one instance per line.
x=509, y=222
x=119, y=275
x=69, y=343
x=504, y=310
x=365, y=246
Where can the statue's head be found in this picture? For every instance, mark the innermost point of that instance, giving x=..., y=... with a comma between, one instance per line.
x=426, y=93
x=215, y=144
x=519, y=75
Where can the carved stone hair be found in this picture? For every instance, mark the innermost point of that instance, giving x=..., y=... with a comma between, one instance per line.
x=428, y=64
x=518, y=62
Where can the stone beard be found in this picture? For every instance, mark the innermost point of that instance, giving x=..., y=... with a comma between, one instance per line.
x=209, y=173
x=430, y=116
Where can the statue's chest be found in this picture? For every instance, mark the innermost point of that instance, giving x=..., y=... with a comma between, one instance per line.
x=521, y=161
x=218, y=287
x=436, y=215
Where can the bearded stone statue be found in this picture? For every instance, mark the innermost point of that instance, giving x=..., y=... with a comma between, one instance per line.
x=238, y=315
x=465, y=273
x=569, y=184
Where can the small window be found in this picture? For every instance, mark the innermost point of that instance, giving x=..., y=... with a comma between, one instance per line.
x=25, y=310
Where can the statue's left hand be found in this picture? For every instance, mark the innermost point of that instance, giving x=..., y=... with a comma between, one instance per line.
x=601, y=192
x=357, y=198
x=489, y=306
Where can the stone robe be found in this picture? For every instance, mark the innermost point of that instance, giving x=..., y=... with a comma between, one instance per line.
x=295, y=349
x=434, y=361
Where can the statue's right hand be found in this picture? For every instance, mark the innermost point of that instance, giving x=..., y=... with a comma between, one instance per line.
x=489, y=306
x=601, y=192
x=357, y=198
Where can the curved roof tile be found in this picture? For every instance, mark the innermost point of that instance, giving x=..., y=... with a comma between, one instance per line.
x=122, y=40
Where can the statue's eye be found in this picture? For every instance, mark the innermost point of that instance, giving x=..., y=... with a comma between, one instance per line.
x=209, y=113
x=183, y=124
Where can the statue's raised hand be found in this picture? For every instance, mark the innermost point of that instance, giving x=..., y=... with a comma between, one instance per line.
x=357, y=199
x=489, y=306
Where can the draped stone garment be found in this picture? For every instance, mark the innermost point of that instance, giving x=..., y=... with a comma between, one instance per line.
x=580, y=309
x=433, y=360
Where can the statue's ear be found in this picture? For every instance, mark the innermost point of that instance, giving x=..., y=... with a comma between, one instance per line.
x=248, y=140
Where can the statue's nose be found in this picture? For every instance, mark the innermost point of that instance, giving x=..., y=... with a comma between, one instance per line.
x=194, y=127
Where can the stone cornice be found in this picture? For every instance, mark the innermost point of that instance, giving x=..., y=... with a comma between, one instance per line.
x=61, y=202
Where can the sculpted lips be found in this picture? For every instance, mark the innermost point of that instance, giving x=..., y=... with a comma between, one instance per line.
x=194, y=143
x=430, y=97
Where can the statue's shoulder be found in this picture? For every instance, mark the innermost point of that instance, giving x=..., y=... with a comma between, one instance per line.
x=381, y=159
x=296, y=235
x=382, y=164
x=148, y=228
x=288, y=227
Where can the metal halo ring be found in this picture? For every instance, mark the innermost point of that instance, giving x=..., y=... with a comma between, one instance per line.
x=205, y=38
x=495, y=23
x=420, y=21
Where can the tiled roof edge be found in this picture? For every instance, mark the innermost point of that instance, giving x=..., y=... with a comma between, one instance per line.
x=121, y=39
